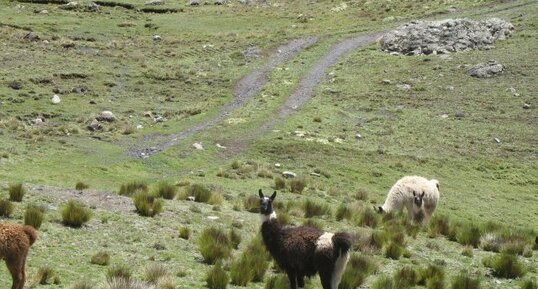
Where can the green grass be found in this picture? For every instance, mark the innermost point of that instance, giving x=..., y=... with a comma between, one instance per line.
x=189, y=75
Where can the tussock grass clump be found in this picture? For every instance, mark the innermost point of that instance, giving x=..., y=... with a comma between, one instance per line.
x=280, y=183
x=279, y=281
x=515, y=246
x=393, y=250
x=358, y=269
x=166, y=190
x=84, y=284
x=147, y=205
x=251, y=265
x=505, y=266
x=16, y=192
x=312, y=209
x=490, y=242
x=46, y=275
x=6, y=208
x=297, y=185
x=313, y=223
x=465, y=281
x=101, y=258
x=184, y=233
x=467, y=251
x=433, y=277
x=214, y=244
x=438, y=225
x=133, y=187
x=235, y=238
x=216, y=199
x=406, y=277
x=123, y=283
x=33, y=216
x=79, y=186
x=75, y=214
x=468, y=234
x=201, y=193
x=118, y=271
x=361, y=195
x=383, y=282
x=529, y=284
x=344, y=212
x=367, y=217
x=217, y=278
x=154, y=272
x=252, y=204
x=284, y=218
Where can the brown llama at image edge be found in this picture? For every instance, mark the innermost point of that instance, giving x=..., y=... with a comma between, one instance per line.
x=15, y=241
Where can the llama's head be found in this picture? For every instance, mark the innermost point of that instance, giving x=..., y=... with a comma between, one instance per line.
x=417, y=198
x=266, y=203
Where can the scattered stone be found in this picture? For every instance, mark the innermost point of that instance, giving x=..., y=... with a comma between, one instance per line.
x=198, y=146
x=526, y=106
x=212, y=218
x=44, y=11
x=55, y=99
x=459, y=115
x=157, y=38
x=37, y=121
x=315, y=174
x=95, y=125
x=288, y=174
x=72, y=4
x=194, y=3
x=92, y=7
x=220, y=146
x=30, y=36
x=220, y=2
x=252, y=52
x=404, y=86
x=190, y=199
x=445, y=36
x=148, y=114
x=497, y=140
x=452, y=9
x=139, y=126
x=358, y=136
x=277, y=165
x=386, y=81
x=449, y=87
x=106, y=116
x=159, y=118
x=79, y=90
x=444, y=115
x=484, y=70
x=15, y=85
x=154, y=2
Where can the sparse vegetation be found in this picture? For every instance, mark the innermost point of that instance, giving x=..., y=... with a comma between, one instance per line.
x=506, y=266
x=185, y=233
x=46, y=275
x=101, y=258
x=166, y=190
x=16, y=192
x=6, y=208
x=75, y=214
x=358, y=269
x=312, y=209
x=280, y=183
x=133, y=187
x=154, y=272
x=406, y=277
x=201, y=194
x=147, y=205
x=214, y=244
x=217, y=278
x=465, y=281
x=118, y=271
x=33, y=216
x=81, y=186
x=297, y=185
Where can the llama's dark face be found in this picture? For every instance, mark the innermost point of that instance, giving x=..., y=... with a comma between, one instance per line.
x=418, y=198
x=266, y=203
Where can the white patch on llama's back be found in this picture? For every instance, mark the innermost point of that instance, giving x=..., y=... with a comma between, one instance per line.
x=266, y=218
x=325, y=241
x=339, y=268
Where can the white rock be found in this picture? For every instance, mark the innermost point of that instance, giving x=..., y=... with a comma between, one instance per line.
x=157, y=38
x=497, y=140
x=289, y=174
x=55, y=99
x=358, y=136
x=72, y=3
x=198, y=146
x=526, y=106
x=444, y=115
x=315, y=174
x=190, y=198
x=106, y=115
x=212, y=218
x=139, y=126
x=404, y=86
x=220, y=146
x=277, y=165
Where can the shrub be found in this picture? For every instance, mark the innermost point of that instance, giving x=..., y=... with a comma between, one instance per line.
x=279, y=281
x=75, y=214
x=464, y=281
x=467, y=251
x=16, y=192
x=185, y=233
x=6, y=208
x=214, y=244
x=217, y=278
x=505, y=266
x=84, y=284
x=529, y=284
x=81, y=186
x=33, y=216
x=166, y=190
x=344, y=212
x=433, y=277
x=154, y=272
x=406, y=277
x=367, y=217
x=468, y=234
x=46, y=275
x=383, y=282
x=280, y=183
x=118, y=272
x=357, y=270
x=133, y=187
x=312, y=209
x=101, y=258
x=147, y=205
x=235, y=238
x=393, y=251
x=252, y=204
x=297, y=185
x=438, y=225
x=201, y=194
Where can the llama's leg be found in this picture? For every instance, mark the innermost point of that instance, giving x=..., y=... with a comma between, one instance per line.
x=300, y=280
x=292, y=276
x=326, y=277
x=14, y=266
x=23, y=270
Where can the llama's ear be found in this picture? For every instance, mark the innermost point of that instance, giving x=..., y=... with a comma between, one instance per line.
x=380, y=209
x=423, y=193
x=273, y=196
x=414, y=195
x=260, y=193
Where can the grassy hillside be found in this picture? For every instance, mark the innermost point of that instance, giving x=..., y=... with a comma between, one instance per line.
x=183, y=67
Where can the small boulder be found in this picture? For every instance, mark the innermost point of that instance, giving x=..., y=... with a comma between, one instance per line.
x=106, y=115
x=55, y=99
x=526, y=106
x=485, y=70
x=95, y=125
x=92, y=7
x=190, y=199
x=194, y=3
x=198, y=146
x=154, y=2
x=157, y=38
x=289, y=174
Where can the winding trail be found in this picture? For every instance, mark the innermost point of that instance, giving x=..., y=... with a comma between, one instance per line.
x=245, y=88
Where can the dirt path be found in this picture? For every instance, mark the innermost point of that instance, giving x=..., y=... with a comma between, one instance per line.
x=246, y=88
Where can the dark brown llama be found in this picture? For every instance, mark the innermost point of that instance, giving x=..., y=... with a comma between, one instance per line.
x=304, y=251
x=15, y=240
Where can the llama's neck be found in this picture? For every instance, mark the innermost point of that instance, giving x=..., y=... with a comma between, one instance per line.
x=269, y=217
x=272, y=234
